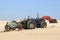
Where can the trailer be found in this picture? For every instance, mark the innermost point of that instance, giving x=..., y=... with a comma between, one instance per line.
x=51, y=20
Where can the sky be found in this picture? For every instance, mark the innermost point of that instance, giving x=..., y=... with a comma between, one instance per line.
x=12, y=9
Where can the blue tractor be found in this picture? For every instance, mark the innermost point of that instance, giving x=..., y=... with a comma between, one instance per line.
x=34, y=23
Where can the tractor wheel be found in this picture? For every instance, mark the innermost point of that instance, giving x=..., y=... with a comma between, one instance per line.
x=31, y=25
x=43, y=24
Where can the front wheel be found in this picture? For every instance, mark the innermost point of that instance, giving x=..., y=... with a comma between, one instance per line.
x=43, y=24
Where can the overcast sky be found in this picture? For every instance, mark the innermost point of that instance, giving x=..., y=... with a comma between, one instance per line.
x=12, y=9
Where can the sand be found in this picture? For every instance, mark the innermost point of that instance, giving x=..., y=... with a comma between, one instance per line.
x=52, y=32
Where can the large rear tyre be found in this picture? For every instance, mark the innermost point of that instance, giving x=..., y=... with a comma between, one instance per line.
x=31, y=25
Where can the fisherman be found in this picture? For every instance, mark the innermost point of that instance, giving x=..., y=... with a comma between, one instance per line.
x=29, y=17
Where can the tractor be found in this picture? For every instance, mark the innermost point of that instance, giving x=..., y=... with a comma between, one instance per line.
x=12, y=26
x=31, y=23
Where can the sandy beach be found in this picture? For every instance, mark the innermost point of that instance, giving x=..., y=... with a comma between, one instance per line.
x=52, y=32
